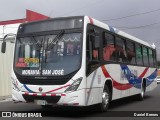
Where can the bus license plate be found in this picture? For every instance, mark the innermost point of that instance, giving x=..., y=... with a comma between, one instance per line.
x=41, y=102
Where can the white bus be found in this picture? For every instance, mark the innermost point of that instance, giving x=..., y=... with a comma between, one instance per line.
x=79, y=61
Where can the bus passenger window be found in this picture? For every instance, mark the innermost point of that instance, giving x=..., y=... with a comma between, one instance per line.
x=139, y=54
x=151, y=57
x=121, y=50
x=154, y=59
x=108, y=48
x=145, y=56
x=131, y=57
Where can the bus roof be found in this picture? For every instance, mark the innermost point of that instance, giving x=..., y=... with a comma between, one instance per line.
x=116, y=31
x=104, y=26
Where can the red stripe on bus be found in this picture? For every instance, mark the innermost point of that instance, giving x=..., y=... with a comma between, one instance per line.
x=26, y=93
x=144, y=72
x=58, y=88
x=116, y=84
x=34, y=94
x=63, y=94
x=91, y=20
x=75, y=103
x=53, y=94
x=43, y=94
x=65, y=104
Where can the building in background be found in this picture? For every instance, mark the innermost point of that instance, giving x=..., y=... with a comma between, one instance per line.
x=11, y=26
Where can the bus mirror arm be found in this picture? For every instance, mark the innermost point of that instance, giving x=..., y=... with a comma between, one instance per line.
x=3, y=46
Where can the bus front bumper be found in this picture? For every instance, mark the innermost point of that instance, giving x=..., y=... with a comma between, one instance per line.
x=76, y=98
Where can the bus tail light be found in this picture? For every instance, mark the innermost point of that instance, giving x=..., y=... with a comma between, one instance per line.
x=74, y=86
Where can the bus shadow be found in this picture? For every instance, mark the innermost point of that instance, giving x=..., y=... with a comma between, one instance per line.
x=125, y=101
x=70, y=112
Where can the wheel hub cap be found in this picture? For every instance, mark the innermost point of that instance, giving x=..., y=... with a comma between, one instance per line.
x=105, y=98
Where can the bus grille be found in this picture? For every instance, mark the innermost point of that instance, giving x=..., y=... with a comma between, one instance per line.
x=49, y=99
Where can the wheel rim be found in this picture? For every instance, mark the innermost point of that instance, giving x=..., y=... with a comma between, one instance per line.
x=142, y=93
x=105, y=99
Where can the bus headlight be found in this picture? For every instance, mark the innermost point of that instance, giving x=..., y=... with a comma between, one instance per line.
x=74, y=86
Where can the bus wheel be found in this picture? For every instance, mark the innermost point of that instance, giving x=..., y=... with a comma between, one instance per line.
x=141, y=95
x=103, y=107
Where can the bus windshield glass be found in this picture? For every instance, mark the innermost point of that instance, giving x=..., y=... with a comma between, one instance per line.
x=48, y=55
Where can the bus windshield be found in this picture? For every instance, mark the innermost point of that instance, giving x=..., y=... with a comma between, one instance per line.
x=48, y=55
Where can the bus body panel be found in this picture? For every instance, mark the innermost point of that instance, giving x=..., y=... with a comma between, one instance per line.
x=76, y=98
x=126, y=80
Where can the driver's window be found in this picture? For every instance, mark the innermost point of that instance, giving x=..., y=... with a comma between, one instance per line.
x=92, y=50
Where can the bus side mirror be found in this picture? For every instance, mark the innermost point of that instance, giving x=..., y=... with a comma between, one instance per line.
x=3, y=47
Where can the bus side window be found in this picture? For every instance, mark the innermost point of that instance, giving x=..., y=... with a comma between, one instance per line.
x=154, y=58
x=121, y=50
x=139, y=58
x=131, y=52
x=108, y=47
x=151, y=58
x=145, y=56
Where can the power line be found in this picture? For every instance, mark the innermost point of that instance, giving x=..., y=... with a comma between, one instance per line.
x=137, y=27
x=131, y=15
x=81, y=8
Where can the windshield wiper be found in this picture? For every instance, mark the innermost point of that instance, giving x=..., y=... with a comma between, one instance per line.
x=59, y=35
x=36, y=41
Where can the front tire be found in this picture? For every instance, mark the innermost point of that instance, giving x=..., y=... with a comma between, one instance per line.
x=103, y=107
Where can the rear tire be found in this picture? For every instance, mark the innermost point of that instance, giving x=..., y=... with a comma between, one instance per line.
x=106, y=96
x=141, y=95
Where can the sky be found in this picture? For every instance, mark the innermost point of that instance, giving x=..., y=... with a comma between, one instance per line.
x=143, y=19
